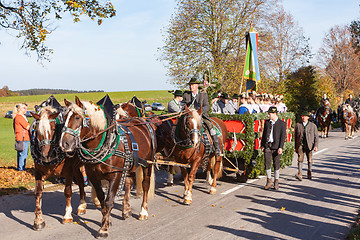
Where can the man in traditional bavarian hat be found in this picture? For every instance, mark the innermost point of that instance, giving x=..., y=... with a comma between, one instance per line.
x=175, y=104
x=243, y=109
x=272, y=144
x=233, y=104
x=306, y=140
x=223, y=104
x=199, y=99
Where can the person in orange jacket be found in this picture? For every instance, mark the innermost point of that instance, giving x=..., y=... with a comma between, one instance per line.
x=21, y=128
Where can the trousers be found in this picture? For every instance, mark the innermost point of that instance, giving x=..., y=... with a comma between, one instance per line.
x=272, y=156
x=21, y=156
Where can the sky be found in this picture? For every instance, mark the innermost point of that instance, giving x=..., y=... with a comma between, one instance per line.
x=122, y=54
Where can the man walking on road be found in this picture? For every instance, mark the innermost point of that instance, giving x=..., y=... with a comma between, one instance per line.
x=306, y=140
x=272, y=144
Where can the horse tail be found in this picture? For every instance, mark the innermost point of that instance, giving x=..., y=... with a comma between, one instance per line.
x=139, y=180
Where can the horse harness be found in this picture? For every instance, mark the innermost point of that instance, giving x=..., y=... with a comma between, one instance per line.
x=57, y=155
x=347, y=118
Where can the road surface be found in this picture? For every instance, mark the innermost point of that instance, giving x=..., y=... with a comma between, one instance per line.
x=322, y=208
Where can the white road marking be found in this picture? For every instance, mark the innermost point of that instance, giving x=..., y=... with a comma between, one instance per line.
x=241, y=185
x=253, y=180
x=323, y=150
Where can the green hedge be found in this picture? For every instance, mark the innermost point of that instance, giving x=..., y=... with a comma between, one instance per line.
x=252, y=161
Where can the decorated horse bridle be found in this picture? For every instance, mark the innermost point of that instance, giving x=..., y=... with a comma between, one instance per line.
x=56, y=154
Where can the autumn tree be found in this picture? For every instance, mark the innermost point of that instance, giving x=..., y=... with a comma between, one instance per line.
x=339, y=60
x=285, y=49
x=301, y=94
x=208, y=35
x=33, y=20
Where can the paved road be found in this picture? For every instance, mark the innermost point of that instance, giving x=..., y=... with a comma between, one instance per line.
x=322, y=208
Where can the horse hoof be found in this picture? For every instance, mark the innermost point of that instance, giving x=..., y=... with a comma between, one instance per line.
x=169, y=184
x=39, y=227
x=212, y=191
x=143, y=217
x=102, y=235
x=126, y=215
x=81, y=211
x=187, y=202
x=67, y=220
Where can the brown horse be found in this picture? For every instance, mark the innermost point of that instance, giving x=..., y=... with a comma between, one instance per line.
x=183, y=142
x=110, y=153
x=324, y=117
x=350, y=120
x=50, y=161
x=167, y=144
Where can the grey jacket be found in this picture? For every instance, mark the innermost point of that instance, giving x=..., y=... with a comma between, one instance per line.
x=201, y=100
x=174, y=107
x=312, y=135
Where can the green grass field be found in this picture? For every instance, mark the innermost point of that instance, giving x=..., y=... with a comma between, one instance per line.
x=7, y=152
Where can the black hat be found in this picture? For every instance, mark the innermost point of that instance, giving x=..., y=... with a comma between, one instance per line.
x=224, y=95
x=235, y=95
x=178, y=93
x=305, y=113
x=272, y=109
x=193, y=80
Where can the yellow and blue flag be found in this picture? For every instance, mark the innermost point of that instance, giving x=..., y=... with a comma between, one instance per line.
x=251, y=65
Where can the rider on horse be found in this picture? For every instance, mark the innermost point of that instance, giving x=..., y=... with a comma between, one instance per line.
x=199, y=99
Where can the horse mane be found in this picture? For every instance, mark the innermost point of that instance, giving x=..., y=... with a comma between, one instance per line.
x=93, y=111
x=196, y=115
x=120, y=111
x=44, y=123
x=349, y=108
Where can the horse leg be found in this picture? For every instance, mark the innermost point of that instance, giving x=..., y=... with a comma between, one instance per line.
x=126, y=213
x=82, y=204
x=209, y=178
x=39, y=222
x=217, y=172
x=185, y=175
x=68, y=194
x=188, y=198
x=94, y=198
x=170, y=181
x=144, y=215
x=107, y=206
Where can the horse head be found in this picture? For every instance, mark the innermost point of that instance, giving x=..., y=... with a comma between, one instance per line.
x=81, y=119
x=190, y=123
x=45, y=131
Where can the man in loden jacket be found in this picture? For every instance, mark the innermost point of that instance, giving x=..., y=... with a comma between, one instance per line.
x=306, y=140
x=199, y=99
x=272, y=144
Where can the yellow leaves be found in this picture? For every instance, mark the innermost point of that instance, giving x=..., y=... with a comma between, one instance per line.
x=282, y=209
x=213, y=205
x=12, y=180
x=153, y=215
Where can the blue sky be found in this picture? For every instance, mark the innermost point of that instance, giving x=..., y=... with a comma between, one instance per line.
x=121, y=54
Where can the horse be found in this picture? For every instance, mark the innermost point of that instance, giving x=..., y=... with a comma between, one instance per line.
x=110, y=153
x=350, y=120
x=183, y=142
x=50, y=161
x=167, y=145
x=324, y=117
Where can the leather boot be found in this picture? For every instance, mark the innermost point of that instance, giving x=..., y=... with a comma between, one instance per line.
x=268, y=184
x=216, y=145
x=299, y=176
x=276, y=184
x=309, y=174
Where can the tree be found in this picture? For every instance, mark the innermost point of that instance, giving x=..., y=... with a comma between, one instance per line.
x=32, y=20
x=285, y=49
x=208, y=35
x=302, y=93
x=339, y=60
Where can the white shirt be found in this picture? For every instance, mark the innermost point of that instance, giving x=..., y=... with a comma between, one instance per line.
x=271, y=137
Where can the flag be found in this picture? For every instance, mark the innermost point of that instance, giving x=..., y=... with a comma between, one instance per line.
x=251, y=65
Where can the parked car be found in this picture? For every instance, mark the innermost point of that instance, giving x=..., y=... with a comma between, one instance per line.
x=147, y=107
x=28, y=113
x=8, y=114
x=157, y=107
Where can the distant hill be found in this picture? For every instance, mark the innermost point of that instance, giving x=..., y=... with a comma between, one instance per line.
x=42, y=91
